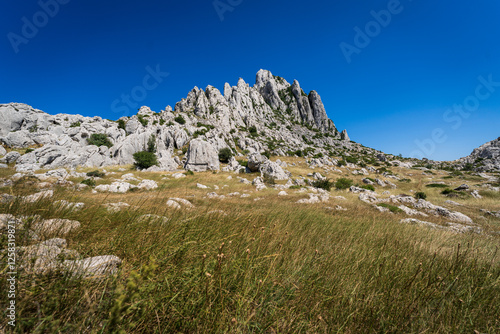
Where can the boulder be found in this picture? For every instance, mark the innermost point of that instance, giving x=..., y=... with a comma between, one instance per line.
x=255, y=160
x=273, y=170
x=201, y=156
x=10, y=157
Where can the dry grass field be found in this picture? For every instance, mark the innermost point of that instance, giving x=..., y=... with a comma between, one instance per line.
x=264, y=263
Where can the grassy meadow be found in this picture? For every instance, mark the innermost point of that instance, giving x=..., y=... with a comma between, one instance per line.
x=263, y=263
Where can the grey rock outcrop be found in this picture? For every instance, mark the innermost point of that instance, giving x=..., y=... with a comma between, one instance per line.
x=272, y=115
x=485, y=158
x=201, y=156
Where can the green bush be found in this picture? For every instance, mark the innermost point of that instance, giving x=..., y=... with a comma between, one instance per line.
x=351, y=159
x=75, y=124
x=323, y=184
x=243, y=163
x=95, y=173
x=99, y=139
x=121, y=124
x=29, y=150
x=253, y=131
x=436, y=185
x=392, y=208
x=189, y=172
x=421, y=195
x=225, y=154
x=405, y=180
x=343, y=183
x=145, y=159
x=179, y=119
x=143, y=121
x=367, y=187
x=447, y=191
x=89, y=182
x=341, y=163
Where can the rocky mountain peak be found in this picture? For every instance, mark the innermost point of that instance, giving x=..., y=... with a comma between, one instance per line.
x=272, y=116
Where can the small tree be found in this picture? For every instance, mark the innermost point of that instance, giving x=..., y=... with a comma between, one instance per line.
x=225, y=154
x=145, y=159
x=152, y=144
x=99, y=139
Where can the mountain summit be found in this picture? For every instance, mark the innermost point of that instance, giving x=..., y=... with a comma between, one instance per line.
x=273, y=116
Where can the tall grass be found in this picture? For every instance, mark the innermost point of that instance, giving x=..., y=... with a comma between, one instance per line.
x=267, y=267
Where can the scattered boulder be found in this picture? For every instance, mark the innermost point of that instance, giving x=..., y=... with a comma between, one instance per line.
x=115, y=187
x=115, y=207
x=147, y=185
x=10, y=157
x=255, y=160
x=201, y=156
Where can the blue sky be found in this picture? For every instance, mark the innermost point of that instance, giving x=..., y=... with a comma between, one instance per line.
x=396, y=93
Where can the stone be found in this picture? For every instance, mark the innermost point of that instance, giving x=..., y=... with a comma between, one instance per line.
x=475, y=194
x=115, y=187
x=273, y=170
x=116, y=207
x=2, y=151
x=462, y=187
x=10, y=157
x=55, y=226
x=173, y=204
x=282, y=193
x=201, y=156
x=39, y=196
x=201, y=186
x=255, y=160
x=94, y=267
x=147, y=185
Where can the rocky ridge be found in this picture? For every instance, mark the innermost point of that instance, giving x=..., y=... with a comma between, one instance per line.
x=272, y=116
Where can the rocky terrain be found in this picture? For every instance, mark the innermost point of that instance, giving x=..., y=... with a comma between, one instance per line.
x=485, y=158
x=293, y=221
x=272, y=116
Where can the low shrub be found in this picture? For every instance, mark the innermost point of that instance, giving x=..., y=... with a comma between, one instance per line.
x=343, y=183
x=225, y=154
x=189, y=172
x=145, y=159
x=392, y=208
x=89, y=182
x=121, y=124
x=243, y=163
x=367, y=187
x=421, y=195
x=95, y=173
x=436, y=185
x=75, y=124
x=179, y=119
x=99, y=139
x=323, y=184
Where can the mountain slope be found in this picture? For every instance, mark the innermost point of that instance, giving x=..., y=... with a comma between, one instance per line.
x=484, y=158
x=273, y=116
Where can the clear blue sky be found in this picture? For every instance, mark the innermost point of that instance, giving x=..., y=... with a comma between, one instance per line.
x=395, y=91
